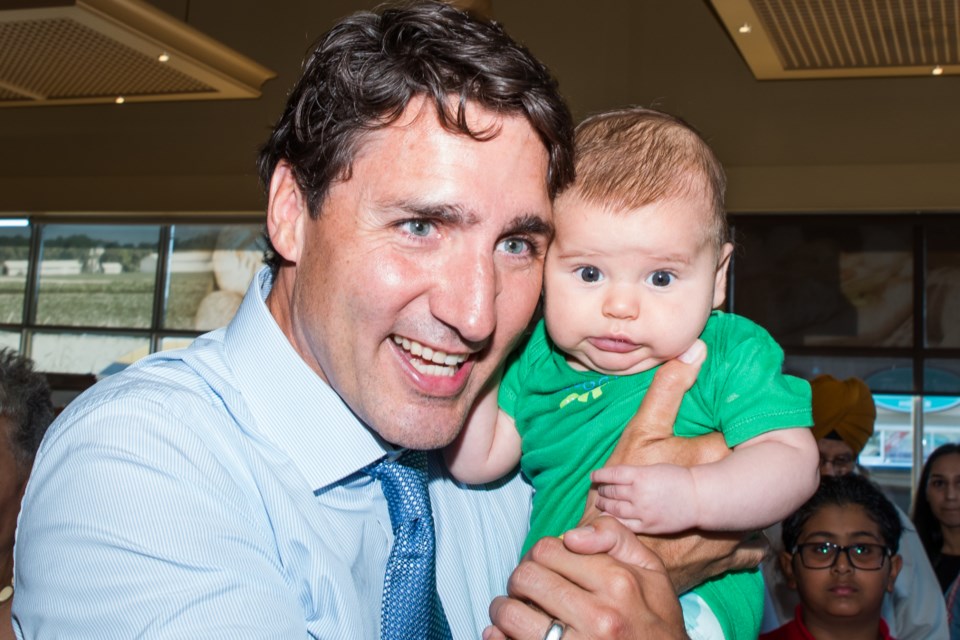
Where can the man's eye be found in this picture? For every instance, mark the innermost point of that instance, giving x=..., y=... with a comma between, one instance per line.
x=516, y=246
x=660, y=278
x=419, y=228
x=590, y=274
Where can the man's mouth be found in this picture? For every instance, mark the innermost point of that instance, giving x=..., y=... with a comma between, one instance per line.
x=428, y=361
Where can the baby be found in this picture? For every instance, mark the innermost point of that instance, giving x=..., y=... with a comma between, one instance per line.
x=842, y=558
x=631, y=279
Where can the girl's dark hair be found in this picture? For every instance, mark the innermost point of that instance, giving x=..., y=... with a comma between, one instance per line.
x=365, y=71
x=928, y=527
x=845, y=490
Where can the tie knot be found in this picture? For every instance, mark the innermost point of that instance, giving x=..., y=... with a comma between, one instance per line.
x=404, y=483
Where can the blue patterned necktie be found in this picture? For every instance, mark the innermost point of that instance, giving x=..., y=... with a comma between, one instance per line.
x=411, y=606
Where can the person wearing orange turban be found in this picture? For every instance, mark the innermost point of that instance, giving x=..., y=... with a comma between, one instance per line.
x=843, y=419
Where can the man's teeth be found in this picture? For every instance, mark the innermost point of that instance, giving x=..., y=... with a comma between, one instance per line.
x=437, y=363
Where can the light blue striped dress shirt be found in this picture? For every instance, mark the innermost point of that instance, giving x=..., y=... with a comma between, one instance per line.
x=213, y=493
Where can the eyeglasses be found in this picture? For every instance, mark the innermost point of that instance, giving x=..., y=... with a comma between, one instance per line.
x=823, y=555
x=840, y=462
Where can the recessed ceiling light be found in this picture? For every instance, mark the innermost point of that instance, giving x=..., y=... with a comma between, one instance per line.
x=119, y=100
x=164, y=57
x=937, y=70
x=745, y=28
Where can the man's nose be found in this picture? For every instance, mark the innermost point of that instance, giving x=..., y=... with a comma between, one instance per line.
x=466, y=299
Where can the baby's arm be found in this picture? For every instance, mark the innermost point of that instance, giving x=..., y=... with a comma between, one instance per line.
x=765, y=479
x=488, y=446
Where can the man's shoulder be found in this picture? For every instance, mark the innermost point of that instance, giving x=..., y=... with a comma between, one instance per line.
x=184, y=386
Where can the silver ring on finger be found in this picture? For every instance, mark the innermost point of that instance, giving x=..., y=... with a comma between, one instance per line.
x=555, y=632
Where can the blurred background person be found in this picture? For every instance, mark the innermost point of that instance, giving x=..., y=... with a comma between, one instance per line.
x=936, y=512
x=25, y=413
x=844, y=417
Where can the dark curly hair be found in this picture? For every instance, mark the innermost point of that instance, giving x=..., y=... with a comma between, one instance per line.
x=364, y=72
x=840, y=491
x=25, y=404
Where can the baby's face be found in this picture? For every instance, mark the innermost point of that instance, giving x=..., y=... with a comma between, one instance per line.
x=842, y=593
x=628, y=290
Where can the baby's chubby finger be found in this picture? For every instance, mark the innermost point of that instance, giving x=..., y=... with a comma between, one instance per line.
x=616, y=474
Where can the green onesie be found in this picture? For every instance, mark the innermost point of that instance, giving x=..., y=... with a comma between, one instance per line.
x=570, y=422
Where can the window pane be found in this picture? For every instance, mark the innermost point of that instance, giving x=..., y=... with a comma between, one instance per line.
x=887, y=375
x=98, y=354
x=819, y=283
x=97, y=275
x=943, y=376
x=892, y=442
x=14, y=258
x=943, y=284
x=210, y=270
x=174, y=342
x=10, y=340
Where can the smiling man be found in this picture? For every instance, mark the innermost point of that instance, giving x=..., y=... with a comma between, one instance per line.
x=270, y=481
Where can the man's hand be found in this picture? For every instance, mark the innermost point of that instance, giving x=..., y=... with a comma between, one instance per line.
x=693, y=557
x=599, y=581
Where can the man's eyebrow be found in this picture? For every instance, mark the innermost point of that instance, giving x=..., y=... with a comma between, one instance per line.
x=530, y=224
x=450, y=214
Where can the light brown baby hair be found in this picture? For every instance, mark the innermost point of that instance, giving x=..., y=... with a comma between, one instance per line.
x=632, y=157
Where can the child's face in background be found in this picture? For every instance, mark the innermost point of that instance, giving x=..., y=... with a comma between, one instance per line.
x=841, y=595
x=628, y=290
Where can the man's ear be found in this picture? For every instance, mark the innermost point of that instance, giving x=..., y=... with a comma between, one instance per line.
x=287, y=213
x=896, y=563
x=720, y=284
x=786, y=565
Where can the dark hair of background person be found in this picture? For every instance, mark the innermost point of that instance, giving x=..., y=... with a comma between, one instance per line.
x=25, y=403
x=927, y=525
x=363, y=73
x=845, y=490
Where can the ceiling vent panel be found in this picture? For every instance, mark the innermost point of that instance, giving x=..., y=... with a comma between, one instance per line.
x=782, y=39
x=94, y=51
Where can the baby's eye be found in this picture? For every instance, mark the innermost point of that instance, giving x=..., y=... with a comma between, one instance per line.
x=590, y=274
x=660, y=278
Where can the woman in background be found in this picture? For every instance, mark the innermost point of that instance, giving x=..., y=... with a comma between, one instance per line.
x=936, y=512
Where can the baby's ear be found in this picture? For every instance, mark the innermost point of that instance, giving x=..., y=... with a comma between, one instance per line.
x=786, y=565
x=720, y=281
x=896, y=563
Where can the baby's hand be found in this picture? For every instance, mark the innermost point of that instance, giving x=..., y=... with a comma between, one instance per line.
x=654, y=499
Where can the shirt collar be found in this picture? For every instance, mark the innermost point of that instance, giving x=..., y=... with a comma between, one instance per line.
x=293, y=407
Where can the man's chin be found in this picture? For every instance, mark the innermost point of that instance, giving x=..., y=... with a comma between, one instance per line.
x=424, y=431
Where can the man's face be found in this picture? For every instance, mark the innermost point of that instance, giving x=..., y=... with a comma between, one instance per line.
x=421, y=271
x=628, y=290
x=836, y=457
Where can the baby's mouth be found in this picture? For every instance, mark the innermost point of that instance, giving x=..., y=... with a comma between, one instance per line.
x=428, y=361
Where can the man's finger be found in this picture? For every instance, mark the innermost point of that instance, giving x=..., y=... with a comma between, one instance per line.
x=674, y=378
x=606, y=535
